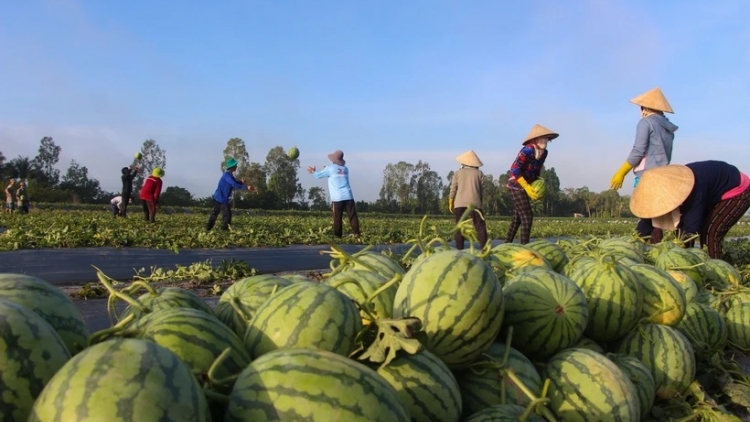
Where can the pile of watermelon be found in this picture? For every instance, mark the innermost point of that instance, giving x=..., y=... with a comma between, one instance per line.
x=577, y=330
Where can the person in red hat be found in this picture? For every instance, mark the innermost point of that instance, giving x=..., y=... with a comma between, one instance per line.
x=340, y=192
x=150, y=193
x=524, y=171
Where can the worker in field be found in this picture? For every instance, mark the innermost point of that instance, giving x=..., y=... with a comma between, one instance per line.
x=340, y=192
x=223, y=194
x=22, y=198
x=115, y=205
x=128, y=174
x=10, y=203
x=150, y=193
x=654, y=136
x=704, y=198
x=465, y=190
x=525, y=169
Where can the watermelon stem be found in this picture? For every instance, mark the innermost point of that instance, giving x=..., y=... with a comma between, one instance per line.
x=140, y=284
x=362, y=306
x=102, y=335
x=114, y=293
x=537, y=403
x=235, y=304
x=211, y=374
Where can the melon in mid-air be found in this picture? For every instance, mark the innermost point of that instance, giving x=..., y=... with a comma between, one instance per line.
x=293, y=153
x=138, y=155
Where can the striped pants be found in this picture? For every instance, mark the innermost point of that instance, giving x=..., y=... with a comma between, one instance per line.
x=720, y=219
x=522, y=216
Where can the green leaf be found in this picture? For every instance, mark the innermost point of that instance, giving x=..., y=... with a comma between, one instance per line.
x=384, y=338
x=738, y=393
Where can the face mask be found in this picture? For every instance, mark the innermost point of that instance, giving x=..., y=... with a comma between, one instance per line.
x=668, y=221
x=539, y=146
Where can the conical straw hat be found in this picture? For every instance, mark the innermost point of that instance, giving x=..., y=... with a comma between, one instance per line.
x=654, y=100
x=469, y=158
x=538, y=131
x=661, y=190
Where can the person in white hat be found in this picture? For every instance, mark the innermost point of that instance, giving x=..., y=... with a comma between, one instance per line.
x=524, y=170
x=466, y=189
x=705, y=198
x=654, y=136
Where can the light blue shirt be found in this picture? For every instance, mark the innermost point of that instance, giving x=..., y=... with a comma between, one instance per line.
x=338, y=182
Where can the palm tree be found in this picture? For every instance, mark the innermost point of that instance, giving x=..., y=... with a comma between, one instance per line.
x=20, y=167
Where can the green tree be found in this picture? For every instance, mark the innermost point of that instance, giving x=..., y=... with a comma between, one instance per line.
x=282, y=176
x=43, y=165
x=426, y=185
x=177, y=196
x=397, y=186
x=20, y=168
x=153, y=157
x=317, y=198
x=76, y=180
x=551, y=200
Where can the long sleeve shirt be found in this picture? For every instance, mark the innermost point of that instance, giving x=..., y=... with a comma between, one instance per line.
x=338, y=182
x=527, y=166
x=151, y=189
x=712, y=180
x=466, y=187
x=128, y=174
x=653, y=143
x=226, y=184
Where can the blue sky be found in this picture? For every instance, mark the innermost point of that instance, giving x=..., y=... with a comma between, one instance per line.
x=382, y=80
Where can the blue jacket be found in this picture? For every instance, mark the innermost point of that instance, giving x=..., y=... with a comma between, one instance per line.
x=226, y=184
x=653, y=143
x=338, y=182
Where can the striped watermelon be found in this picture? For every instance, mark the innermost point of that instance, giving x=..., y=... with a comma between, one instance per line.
x=663, y=298
x=507, y=258
x=723, y=274
x=707, y=298
x=165, y=298
x=666, y=353
x=51, y=304
x=704, y=327
x=359, y=284
x=197, y=338
x=238, y=304
x=304, y=315
x=482, y=385
x=586, y=343
x=621, y=248
x=503, y=413
x=459, y=300
x=737, y=319
x=31, y=352
x=426, y=387
x=684, y=260
x=122, y=380
x=641, y=378
x=576, y=262
x=548, y=312
x=573, y=246
x=577, y=391
x=296, y=278
x=539, y=187
x=554, y=254
x=687, y=284
x=614, y=296
x=312, y=385
x=377, y=262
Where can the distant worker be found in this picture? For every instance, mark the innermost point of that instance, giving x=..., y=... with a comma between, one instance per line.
x=150, y=193
x=128, y=174
x=340, y=192
x=222, y=196
x=10, y=203
x=114, y=205
x=22, y=197
x=465, y=190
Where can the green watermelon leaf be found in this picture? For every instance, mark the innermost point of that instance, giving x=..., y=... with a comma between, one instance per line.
x=738, y=393
x=386, y=337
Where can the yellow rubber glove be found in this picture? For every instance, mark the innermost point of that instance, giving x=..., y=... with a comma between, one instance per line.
x=450, y=204
x=529, y=190
x=616, y=182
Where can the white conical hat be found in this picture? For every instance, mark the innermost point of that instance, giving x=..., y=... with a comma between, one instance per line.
x=538, y=131
x=661, y=190
x=469, y=158
x=654, y=100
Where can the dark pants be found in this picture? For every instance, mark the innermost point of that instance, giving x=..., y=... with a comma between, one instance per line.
x=125, y=201
x=114, y=209
x=149, y=210
x=522, y=216
x=338, y=215
x=23, y=209
x=479, y=226
x=720, y=219
x=226, y=216
x=644, y=228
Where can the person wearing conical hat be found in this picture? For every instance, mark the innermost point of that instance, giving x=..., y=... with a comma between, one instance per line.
x=654, y=136
x=525, y=169
x=150, y=193
x=466, y=189
x=705, y=198
x=222, y=195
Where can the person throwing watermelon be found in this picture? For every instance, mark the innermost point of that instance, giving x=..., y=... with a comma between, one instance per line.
x=523, y=172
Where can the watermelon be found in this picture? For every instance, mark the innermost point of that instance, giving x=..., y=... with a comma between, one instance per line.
x=578, y=392
x=138, y=155
x=548, y=312
x=586, y=343
x=687, y=284
x=49, y=302
x=312, y=385
x=503, y=413
x=377, y=262
x=507, y=258
x=621, y=248
x=482, y=385
x=425, y=386
x=304, y=315
x=666, y=353
x=707, y=298
x=293, y=153
x=738, y=326
x=196, y=337
x=554, y=254
x=242, y=299
x=663, y=298
x=614, y=296
x=539, y=187
x=723, y=274
x=122, y=380
x=459, y=301
x=576, y=262
x=704, y=327
x=31, y=352
x=359, y=284
x=684, y=260
x=167, y=297
x=641, y=378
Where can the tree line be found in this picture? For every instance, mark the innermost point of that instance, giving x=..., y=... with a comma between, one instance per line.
x=406, y=188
